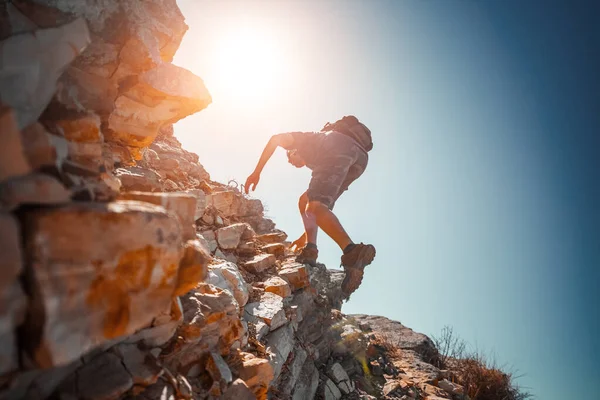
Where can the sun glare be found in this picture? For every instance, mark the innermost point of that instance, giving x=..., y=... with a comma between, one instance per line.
x=247, y=65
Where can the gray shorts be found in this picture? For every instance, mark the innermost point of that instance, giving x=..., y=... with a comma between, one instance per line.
x=341, y=162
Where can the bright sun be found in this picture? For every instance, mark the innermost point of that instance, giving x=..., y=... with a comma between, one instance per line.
x=248, y=64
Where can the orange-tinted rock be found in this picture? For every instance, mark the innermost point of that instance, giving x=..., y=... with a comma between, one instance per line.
x=273, y=237
x=183, y=205
x=99, y=271
x=136, y=178
x=81, y=129
x=162, y=95
x=193, y=267
x=296, y=275
x=257, y=373
x=278, y=286
x=260, y=263
x=277, y=249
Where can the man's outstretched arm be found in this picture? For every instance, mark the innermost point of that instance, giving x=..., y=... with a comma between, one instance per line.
x=285, y=140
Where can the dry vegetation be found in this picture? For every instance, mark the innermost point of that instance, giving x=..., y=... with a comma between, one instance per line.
x=480, y=377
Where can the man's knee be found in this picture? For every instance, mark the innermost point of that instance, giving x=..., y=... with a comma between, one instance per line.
x=315, y=207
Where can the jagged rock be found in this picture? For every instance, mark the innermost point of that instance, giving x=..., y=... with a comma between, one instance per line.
x=12, y=155
x=273, y=237
x=12, y=298
x=80, y=128
x=308, y=382
x=140, y=179
x=337, y=373
x=211, y=323
x=280, y=343
x=227, y=203
x=257, y=373
x=238, y=391
x=137, y=117
x=277, y=249
x=289, y=377
x=227, y=276
x=141, y=365
x=260, y=263
x=269, y=309
x=295, y=274
x=278, y=286
x=260, y=224
x=105, y=290
x=40, y=151
x=32, y=189
x=193, y=267
x=162, y=328
x=219, y=372
x=183, y=205
x=31, y=64
x=331, y=391
x=251, y=207
x=229, y=236
x=200, y=202
x=105, y=377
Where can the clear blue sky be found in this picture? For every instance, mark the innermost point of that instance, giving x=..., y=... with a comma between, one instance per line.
x=482, y=194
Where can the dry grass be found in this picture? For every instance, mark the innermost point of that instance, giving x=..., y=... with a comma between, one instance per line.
x=477, y=373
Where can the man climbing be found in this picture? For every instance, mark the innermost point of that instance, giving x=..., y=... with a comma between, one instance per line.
x=337, y=156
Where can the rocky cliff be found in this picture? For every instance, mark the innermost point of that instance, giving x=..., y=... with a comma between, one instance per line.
x=125, y=272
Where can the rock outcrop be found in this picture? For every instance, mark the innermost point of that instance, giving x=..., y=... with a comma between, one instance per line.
x=125, y=271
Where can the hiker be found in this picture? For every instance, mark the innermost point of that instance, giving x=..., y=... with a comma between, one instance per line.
x=337, y=156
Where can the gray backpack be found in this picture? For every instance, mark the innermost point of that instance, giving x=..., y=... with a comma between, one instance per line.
x=351, y=126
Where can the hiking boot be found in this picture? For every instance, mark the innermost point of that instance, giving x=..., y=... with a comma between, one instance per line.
x=308, y=255
x=354, y=262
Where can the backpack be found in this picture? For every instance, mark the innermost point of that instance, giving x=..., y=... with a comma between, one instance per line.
x=351, y=126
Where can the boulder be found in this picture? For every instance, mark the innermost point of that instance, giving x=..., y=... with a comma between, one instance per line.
x=295, y=274
x=97, y=271
x=136, y=178
x=260, y=263
x=38, y=189
x=227, y=276
x=31, y=64
x=269, y=309
x=192, y=267
x=159, y=96
x=229, y=237
x=183, y=205
x=257, y=373
x=227, y=203
x=278, y=286
x=163, y=327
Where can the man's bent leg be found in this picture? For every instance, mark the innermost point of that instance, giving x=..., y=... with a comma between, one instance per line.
x=325, y=219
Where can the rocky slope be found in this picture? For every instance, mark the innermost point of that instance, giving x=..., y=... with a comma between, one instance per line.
x=125, y=271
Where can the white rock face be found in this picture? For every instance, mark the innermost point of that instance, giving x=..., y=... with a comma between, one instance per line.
x=227, y=276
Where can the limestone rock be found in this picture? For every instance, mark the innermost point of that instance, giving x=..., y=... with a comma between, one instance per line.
x=269, y=309
x=451, y=387
x=260, y=263
x=219, y=372
x=192, y=268
x=163, y=327
x=273, y=237
x=141, y=365
x=280, y=343
x=337, y=373
x=92, y=285
x=331, y=391
x=227, y=276
x=32, y=189
x=136, y=178
x=290, y=376
x=278, y=286
x=308, y=382
x=183, y=205
x=12, y=155
x=31, y=64
x=162, y=95
x=296, y=275
x=277, y=249
x=229, y=237
x=257, y=373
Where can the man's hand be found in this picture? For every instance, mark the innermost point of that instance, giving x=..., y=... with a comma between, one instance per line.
x=251, y=181
x=299, y=243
